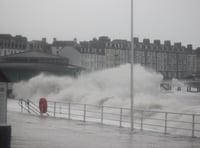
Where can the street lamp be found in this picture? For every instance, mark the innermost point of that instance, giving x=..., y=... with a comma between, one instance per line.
x=132, y=71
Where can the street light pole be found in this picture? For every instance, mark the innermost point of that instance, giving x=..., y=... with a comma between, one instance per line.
x=132, y=70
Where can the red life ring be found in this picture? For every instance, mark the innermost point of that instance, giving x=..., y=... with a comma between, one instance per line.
x=43, y=105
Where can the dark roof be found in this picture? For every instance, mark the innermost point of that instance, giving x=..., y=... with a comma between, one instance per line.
x=5, y=36
x=9, y=37
x=63, y=43
x=35, y=66
x=36, y=54
x=120, y=41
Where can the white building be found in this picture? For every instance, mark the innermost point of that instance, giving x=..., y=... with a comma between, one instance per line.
x=71, y=53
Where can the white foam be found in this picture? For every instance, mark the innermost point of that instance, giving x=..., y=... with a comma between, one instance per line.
x=108, y=87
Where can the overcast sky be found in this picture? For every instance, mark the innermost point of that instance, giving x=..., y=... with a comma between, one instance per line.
x=175, y=20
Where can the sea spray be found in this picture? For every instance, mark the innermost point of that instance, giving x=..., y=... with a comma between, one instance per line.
x=107, y=87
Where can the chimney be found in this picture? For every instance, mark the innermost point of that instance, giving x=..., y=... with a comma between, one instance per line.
x=156, y=42
x=54, y=39
x=146, y=41
x=167, y=43
x=136, y=40
x=189, y=46
x=177, y=44
x=44, y=40
x=75, y=40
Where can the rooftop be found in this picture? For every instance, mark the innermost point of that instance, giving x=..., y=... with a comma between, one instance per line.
x=34, y=54
x=63, y=43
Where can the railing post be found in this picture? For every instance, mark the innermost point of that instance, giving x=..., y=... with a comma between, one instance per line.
x=54, y=109
x=193, y=125
x=69, y=110
x=102, y=114
x=84, y=113
x=21, y=105
x=60, y=109
x=165, y=122
x=142, y=117
x=120, y=121
x=27, y=102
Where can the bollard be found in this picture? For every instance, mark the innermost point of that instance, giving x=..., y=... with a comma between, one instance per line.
x=5, y=136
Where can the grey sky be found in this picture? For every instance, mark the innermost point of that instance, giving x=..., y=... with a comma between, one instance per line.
x=175, y=20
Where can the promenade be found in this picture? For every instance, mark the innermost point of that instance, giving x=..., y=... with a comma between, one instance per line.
x=29, y=131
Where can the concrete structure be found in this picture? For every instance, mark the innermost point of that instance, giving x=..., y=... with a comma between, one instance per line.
x=5, y=130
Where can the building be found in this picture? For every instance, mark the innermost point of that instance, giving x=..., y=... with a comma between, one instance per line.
x=12, y=44
x=172, y=61
x=197, y=54
x=92, y=58
x=71, y=53
x=89, y=55
x=102, y=53
x=61, y=44
x=68, y=49
x=23, y=66
x=39, y=45
x=93, y=53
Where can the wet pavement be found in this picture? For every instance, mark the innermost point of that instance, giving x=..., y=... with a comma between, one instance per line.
x=29, y=131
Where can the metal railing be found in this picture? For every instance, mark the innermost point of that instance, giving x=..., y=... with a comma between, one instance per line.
x=184, y=124
x=29, y=106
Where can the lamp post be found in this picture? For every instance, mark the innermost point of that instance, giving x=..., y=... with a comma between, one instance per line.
x=132, y=71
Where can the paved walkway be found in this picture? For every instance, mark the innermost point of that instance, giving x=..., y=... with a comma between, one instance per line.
x=30, y=131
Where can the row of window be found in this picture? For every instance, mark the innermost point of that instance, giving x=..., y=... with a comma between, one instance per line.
x=9, y=52
x=13, y=45
x=166, y=48
x=92, y=50
x=117, y=45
